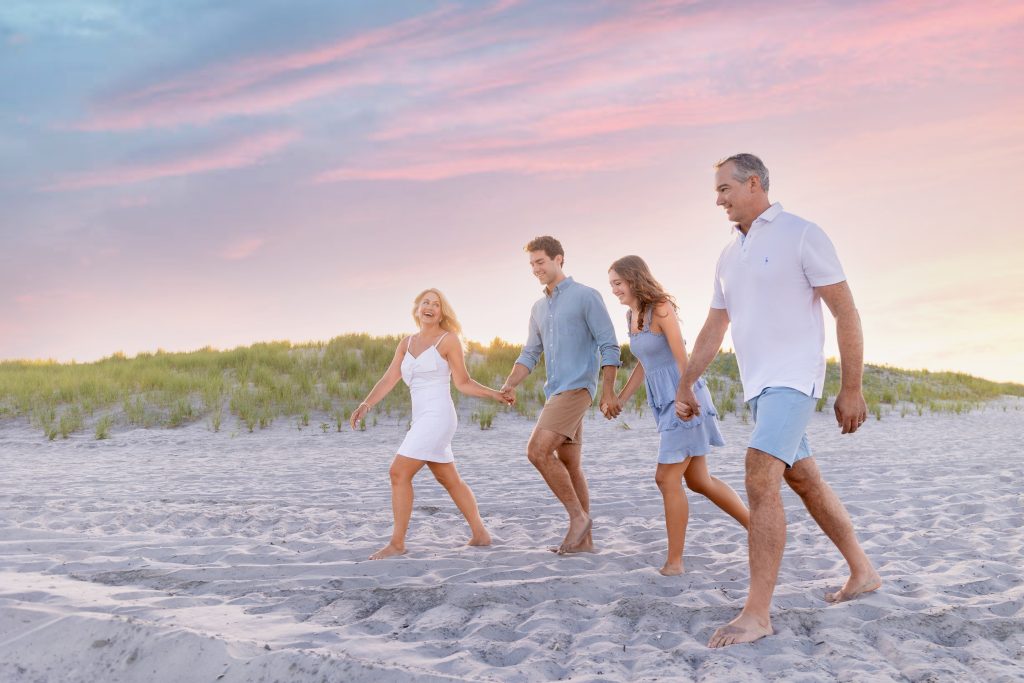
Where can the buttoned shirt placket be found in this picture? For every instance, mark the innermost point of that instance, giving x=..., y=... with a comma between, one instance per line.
x=552, y=299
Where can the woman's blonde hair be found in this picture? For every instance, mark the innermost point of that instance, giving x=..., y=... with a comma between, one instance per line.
x=648, y=291
x=449, y=322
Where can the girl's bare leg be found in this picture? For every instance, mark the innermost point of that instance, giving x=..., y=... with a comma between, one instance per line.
x=717, y=491
x=677, y=513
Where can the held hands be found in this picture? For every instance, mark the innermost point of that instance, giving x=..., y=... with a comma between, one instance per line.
x=611, y=406
x=509, y=393
x=851, y=410
x=503, y=397
x=358, y=414
x=687, y=406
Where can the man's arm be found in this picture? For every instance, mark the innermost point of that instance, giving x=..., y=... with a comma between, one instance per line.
x=850, y=408
x=709, y=341
x=603, y=332
x=527, y=360
x=610, y=404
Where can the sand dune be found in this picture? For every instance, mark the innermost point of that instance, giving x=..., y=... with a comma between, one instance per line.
x=186, y=555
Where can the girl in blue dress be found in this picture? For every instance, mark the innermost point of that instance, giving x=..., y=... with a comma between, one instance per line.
x=657, y=343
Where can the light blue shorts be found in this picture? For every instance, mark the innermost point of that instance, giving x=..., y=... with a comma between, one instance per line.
x=781, y=416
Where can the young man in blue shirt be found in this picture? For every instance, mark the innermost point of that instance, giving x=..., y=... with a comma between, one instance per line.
x=570, y=325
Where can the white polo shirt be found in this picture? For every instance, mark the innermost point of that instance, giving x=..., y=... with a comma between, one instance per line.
x=765, y=281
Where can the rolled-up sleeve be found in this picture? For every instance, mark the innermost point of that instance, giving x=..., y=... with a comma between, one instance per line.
x=600, y=324
x=533, y=347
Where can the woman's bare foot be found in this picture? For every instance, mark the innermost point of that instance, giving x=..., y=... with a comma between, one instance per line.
x=390, y=550
x=854, y=587
x=482, y=538
x=672, y=568
x=742, y=629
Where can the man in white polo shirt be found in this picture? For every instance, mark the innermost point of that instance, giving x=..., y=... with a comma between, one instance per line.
x=769, y=283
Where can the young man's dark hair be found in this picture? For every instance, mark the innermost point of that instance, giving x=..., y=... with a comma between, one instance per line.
x=548, y=244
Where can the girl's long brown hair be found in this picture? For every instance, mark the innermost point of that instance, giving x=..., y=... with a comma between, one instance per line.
x=645, y=288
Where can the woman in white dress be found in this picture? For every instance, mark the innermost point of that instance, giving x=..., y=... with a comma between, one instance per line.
x=428, y=361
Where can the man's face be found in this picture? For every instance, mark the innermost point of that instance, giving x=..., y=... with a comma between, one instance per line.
x=545, y=268
x=739, y=199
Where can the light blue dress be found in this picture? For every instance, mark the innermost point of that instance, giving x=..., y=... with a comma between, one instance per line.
x=679, y=439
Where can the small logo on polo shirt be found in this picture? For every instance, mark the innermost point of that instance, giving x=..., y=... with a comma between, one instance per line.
x=766, y=259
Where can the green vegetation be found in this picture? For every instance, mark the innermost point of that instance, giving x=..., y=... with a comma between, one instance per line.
x=325, y=381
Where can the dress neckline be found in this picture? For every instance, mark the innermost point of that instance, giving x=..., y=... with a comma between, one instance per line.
x=409, y=353
x=432, y=346
x=650, y=320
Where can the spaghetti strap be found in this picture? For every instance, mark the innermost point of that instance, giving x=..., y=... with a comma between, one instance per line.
x=439, y=339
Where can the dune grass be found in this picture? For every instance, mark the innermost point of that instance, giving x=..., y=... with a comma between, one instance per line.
x=321, y=383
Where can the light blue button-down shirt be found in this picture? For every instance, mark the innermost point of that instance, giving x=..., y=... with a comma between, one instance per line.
x=570, y=326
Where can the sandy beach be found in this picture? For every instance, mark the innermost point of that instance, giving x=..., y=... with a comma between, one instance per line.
x=187, y=555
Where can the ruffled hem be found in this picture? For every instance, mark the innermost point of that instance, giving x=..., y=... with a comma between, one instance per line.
x=676, y=445
x=661, y=396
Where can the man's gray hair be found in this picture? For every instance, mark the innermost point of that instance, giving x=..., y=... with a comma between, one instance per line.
x=746, y=166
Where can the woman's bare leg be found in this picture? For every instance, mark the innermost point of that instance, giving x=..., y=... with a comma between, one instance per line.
x=402, y=471
x=449, y=478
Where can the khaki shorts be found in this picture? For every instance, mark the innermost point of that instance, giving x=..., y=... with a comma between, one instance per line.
x=563, y=414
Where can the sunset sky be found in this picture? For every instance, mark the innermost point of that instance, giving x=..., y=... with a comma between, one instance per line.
x=182, y=174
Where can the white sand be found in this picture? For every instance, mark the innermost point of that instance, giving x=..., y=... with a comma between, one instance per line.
x=190, y=556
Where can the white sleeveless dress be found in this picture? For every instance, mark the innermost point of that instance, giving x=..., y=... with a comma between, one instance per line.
x=433, y=414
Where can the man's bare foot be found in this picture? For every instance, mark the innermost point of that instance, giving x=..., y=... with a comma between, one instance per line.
x=855, y=587
x=577, y=542
x=483, y=538
x=742, y=629
x=390, y=550
x=672, y=569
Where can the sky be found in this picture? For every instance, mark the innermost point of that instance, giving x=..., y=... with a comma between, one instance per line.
x=178, y=175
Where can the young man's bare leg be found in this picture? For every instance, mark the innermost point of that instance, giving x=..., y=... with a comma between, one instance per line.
x=571, y=456
x=541, y=451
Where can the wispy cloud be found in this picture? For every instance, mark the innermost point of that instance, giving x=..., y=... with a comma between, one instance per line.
x=268, y=83
x=242, y=249
x=235, y=154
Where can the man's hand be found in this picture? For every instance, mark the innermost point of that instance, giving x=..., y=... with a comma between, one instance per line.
x=851, y=410
x=509, y=392
x=687, y=406
x=610, y=406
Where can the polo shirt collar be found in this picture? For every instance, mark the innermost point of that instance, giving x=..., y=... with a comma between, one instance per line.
x=769, y=215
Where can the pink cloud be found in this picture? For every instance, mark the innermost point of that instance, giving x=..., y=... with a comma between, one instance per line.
x=39, y=300
x=264, y=84
x=653, y=68
x=236, y=154
x=442, y=164
x=242, y=249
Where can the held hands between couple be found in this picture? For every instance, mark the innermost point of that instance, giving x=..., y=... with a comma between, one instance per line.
x=610, y=406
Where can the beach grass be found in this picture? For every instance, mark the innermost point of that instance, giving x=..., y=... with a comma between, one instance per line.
x=249, y=387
